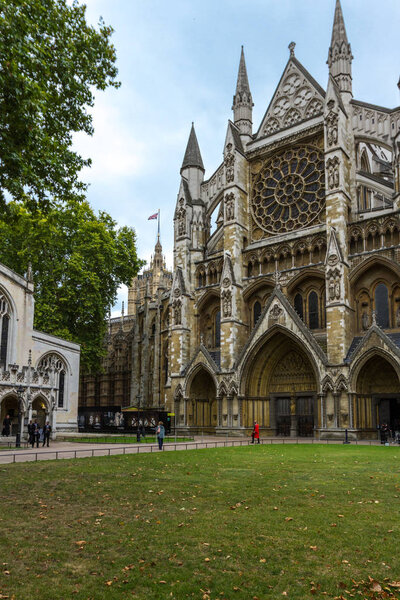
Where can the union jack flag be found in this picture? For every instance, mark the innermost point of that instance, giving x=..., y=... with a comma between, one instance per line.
x=153, y=216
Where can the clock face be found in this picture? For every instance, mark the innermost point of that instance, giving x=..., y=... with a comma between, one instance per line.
x=289, y=191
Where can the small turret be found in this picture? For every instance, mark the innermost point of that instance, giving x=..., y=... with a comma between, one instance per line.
x=192, y=168
x=340, y=56
x=242, y=101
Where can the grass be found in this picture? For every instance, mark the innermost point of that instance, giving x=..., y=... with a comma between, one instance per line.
x=256, y=522
x=125, y=440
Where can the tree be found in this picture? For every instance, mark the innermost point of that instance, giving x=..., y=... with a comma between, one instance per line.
x=50, y=62
x=78, y=260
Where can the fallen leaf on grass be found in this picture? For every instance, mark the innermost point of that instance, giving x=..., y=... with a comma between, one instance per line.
x=376, y=587
x=109, y=582
x=263, y=560
x=313, y=547
x=288, y=518
x=80, y=543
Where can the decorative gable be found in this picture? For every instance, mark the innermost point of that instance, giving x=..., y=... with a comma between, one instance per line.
x=297, y=98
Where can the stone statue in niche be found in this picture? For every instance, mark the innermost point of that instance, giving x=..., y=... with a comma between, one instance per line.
x=229, y=164
x=331, y=123
x=365, y=320
x=181, y=219
x=229, y=207
x=227, y=303
x=177, y=308
x=332, y=165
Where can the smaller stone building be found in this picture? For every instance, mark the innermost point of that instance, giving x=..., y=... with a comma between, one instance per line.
x=39, y=373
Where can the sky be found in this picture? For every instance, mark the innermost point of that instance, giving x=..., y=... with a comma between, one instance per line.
x=178, y=63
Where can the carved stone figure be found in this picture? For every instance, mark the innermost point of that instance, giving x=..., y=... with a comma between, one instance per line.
x=181, y=219
x=229, y=164
x=177, y=308
x=398, y=317
x=275, y=311
x=331, y=123
x=227, y=303
x=332, y=165
x=365, y=320
x=230, y=207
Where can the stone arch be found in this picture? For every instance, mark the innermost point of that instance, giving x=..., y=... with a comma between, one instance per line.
x=280, y=381
x=9, y=406
x=327, y=384
x=375, y=379
x=41, y=409
x=201, y=395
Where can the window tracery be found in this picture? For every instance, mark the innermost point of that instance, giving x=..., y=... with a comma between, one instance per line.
x=55, y=363
x=289, y=191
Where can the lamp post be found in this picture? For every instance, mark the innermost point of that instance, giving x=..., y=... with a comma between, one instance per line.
x=20, y=392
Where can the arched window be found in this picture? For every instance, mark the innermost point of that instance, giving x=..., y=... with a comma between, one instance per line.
x=4, y=330
x=256, y=312
x=382, y=305
x=52, y=362
x=298, y=305
x=217, y=329
x=313, y=319
x=61, y=388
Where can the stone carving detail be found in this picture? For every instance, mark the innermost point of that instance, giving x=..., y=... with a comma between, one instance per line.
x=295, y=101
x=331, y=124
x=35, y=378
x=333, y=260
x=365, y=320
x=177, y=309
x=230, y=207
x=181, y=218
x=334, y=287
x=229, y=164
x=289, y=190
x=226, y=303
x=6, y=376
x=332, y=166
x=275, y=312
x=226, y=282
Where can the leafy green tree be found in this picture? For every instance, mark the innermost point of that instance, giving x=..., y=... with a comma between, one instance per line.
x=51, y=61
x=78, y=260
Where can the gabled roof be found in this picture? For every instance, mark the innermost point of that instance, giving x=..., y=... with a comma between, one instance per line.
x=278, y=295
x=201, y=349
x=392, y=340
x=237, y=142
x=297, y=98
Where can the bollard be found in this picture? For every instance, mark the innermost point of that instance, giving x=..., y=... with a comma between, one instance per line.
x=346, y=437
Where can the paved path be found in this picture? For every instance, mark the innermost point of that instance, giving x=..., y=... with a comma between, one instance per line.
x=60, y=450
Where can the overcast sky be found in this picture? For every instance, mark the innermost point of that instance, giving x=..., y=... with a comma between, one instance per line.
x=178, y=62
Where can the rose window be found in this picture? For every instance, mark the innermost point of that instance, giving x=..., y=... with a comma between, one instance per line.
x=289, y=191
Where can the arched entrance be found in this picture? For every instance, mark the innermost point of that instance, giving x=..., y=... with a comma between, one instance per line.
x=377, y=398
x=40, y=411
x=9, y=406
x=202, y=408
x=281, y=389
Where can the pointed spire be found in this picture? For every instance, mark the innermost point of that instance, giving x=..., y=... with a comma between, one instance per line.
x=242, y=101
x=242, y=84
x=340, y=56
x=192, y=156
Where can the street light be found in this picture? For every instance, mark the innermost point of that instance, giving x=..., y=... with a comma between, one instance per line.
x=20, y=392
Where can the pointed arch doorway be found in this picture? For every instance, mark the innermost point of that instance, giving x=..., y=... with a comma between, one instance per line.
x=377, y=399
x=202, y=410
x=281, y=389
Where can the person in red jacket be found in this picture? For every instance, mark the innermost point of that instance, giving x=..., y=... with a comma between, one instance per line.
x=256, y=433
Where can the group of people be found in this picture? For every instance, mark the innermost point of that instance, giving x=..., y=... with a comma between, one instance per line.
x=36, y=434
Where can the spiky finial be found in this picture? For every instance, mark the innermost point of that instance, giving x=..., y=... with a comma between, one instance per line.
x=242, y=105
x=340, y=56
x=291, y=47
x=192, y=156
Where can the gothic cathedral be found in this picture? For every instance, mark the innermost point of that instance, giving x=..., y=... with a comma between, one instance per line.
x=288, y=311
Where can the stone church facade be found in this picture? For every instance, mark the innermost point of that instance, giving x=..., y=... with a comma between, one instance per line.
x=288, y=312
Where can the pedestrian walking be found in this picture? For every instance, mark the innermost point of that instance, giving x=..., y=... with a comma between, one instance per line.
x=46, y=434
x=255, y=435
x=30, y=432
x=6, y=426
x=160, y=434
x=35, y=434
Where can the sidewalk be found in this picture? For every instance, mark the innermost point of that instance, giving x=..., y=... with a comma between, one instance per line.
x=60, y=450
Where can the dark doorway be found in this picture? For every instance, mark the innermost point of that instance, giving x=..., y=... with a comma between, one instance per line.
x=389, y=413
x=283, y=416
x=305, y=416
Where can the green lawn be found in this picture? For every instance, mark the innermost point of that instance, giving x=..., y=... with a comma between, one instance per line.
x=257, y=522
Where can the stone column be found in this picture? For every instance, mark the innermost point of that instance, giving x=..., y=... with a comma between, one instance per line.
x=272, y=414
x=293, y=417
x=351, y=420
x=336, y=422
x=219, y=413
x=322, y=402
